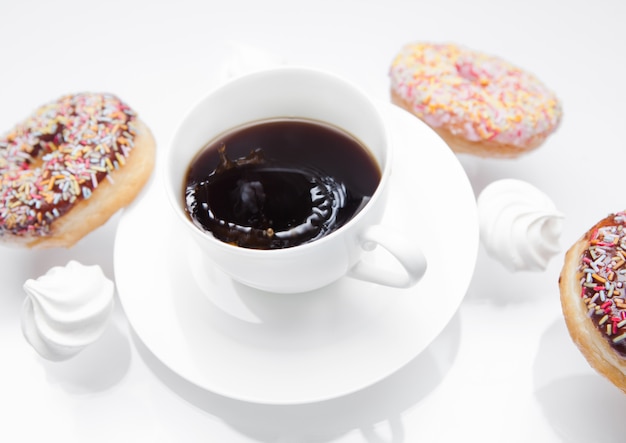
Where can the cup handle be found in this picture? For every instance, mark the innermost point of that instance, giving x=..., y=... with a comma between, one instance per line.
x=410, y=258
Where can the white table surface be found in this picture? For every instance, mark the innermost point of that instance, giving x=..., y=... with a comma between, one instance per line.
x=504, y=369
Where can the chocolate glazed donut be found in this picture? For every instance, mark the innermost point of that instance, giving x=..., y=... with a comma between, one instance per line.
x=70, y=166
x=593, y=296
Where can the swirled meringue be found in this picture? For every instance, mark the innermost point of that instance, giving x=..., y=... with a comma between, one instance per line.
x=66, y=309
x=519, y=225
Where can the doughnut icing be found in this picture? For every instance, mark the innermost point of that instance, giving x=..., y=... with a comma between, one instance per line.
x=479, y=104
x=59, y=158
x=593, y=296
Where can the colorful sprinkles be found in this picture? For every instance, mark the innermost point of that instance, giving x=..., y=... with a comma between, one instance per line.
x=603, y=279
x=58, y=156
x=474, y=95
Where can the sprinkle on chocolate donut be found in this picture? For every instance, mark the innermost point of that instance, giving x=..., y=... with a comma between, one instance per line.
x=474, y=97
x=58, y=157
x=592, y=287
x=603, y=280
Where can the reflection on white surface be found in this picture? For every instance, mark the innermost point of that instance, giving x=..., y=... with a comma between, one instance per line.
x=569, y=392
x=97, y=368
x=243, y=59
x=272, y=321
x=371, y=412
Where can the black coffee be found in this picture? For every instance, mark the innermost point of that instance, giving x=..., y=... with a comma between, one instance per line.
x=279, y=183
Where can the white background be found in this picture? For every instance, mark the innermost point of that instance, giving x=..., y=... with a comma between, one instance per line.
x=503, y=370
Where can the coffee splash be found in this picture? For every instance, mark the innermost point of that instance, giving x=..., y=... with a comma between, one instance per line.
x=267, y=200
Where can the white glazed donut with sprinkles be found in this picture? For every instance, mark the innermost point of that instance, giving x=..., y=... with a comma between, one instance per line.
x=70, y=166
x=479, y=104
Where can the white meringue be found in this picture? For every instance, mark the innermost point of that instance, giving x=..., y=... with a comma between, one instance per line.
x=66, y=309
x=519, y=225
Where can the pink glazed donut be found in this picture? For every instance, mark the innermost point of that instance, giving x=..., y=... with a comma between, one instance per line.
x=479, y=104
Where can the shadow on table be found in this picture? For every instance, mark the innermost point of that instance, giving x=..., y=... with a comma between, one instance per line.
x=364, y=411
x=579, y=404
x=99, y=366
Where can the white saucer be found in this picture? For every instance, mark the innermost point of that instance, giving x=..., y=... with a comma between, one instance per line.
x=289, y=349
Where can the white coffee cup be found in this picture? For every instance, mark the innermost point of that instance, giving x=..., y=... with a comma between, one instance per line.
x=286, y=92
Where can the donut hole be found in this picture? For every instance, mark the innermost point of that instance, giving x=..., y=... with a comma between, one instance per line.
x=35, y=158
x=35, y=162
